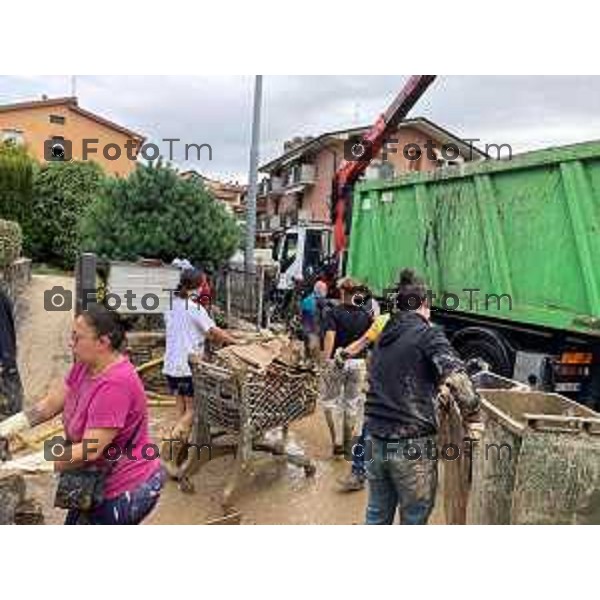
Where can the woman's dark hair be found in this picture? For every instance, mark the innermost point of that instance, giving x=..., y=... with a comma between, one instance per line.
x=106, y=322
x=188, y=281
x=411, y=291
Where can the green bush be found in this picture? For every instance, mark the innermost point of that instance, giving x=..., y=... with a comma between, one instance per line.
x=11, y=240
x=62, y=192
x=16, y=181
x=155, y=213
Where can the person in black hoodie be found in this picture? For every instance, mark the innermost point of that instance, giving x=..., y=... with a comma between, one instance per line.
x=11, y=390
x=411, y=364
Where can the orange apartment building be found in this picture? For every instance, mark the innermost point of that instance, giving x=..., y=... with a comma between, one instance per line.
x=297, y=187
x=59, y=119
x=230, y=194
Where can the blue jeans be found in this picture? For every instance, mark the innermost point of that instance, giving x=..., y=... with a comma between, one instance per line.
x=398, y=481
x=358, y=455
x=130, y=508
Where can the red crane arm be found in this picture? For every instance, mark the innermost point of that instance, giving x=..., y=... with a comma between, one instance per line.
x=350, y=170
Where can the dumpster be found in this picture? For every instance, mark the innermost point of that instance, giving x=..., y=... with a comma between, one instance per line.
x=538, y=461
x=456, y=474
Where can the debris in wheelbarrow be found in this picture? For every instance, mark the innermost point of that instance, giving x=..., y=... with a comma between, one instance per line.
x=250, y=392
x=259, y=355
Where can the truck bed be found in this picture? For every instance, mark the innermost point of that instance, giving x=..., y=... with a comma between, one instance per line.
x=526, y=228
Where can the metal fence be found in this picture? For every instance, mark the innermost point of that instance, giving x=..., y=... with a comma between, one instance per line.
x=245, y=295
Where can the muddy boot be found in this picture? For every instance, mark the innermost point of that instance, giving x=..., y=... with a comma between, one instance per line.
x=352, y=483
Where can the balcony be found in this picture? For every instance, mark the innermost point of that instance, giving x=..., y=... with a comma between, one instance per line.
x=271, y=186
x=300, y=174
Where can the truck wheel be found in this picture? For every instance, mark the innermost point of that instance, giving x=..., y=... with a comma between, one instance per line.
x=488, y=346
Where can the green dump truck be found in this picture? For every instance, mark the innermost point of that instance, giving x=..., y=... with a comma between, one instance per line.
x=510, y=251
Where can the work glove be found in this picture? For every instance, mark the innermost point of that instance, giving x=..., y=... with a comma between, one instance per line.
x=340, y=357
x=10, y=427
x=444, y=397
x=30, y=463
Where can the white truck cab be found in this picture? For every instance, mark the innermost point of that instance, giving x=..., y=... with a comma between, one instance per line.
x=300, y=251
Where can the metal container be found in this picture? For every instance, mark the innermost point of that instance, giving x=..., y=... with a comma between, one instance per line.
x=522, y=232
x=538, y=461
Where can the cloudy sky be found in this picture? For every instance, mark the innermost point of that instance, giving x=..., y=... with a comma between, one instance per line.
x=526, y=112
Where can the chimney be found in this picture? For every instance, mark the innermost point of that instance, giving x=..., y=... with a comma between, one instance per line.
x=296, y=141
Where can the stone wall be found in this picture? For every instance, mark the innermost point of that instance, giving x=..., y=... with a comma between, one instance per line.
x=15, y=507
x=142, y=347
x=14, y=280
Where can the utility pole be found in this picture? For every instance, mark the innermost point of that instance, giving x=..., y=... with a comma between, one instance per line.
x=252, y=179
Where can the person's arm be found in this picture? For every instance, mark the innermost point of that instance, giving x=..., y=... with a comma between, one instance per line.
x=330, y=328
x=370, y=337
x=207, y=326
x=221, y=336
x=49, y=406
x=453, y=379
x=356, y=347
x=328, y=344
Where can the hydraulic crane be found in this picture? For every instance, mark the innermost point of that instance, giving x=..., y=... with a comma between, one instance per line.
x=350, y=170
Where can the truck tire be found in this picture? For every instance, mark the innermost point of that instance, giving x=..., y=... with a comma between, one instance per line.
x=487, y=345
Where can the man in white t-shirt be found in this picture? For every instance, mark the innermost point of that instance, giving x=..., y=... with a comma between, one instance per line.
x=187, y=326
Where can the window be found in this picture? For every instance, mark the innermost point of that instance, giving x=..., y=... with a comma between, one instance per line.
x=12, y=136
x=314, y=250
x=57, y=119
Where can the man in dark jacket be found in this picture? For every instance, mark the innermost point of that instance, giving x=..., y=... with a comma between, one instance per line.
x=11, y=390
x=409, y=364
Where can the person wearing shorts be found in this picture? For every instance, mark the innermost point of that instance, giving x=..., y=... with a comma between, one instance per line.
x=187, y=327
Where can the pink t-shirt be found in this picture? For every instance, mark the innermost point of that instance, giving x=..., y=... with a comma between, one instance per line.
x=114, y=399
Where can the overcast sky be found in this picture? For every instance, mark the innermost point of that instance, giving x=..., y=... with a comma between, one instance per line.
x=526, y=112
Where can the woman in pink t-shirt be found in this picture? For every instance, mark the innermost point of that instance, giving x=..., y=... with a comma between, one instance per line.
x=106, y=423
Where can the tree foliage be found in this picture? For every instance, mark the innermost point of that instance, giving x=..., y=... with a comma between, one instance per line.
x=155, y=213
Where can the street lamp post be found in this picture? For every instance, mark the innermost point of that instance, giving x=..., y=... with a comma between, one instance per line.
x=252, y=179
